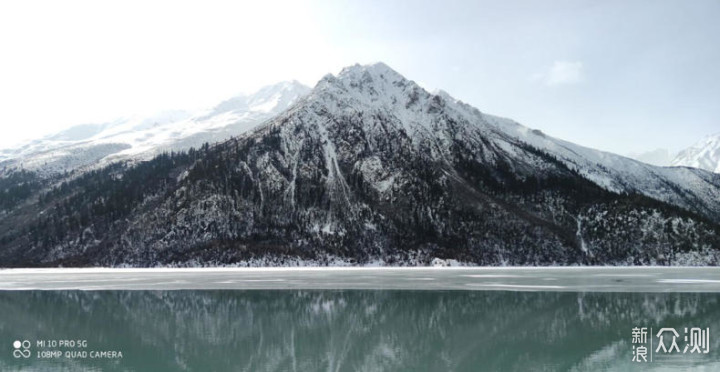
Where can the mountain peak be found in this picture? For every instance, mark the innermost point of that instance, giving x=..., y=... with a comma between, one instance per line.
x=378, y=88
x=704, y=154
x=375, y=68
x=270, y=98
x=370, y=72
x=370, y=83
x=287, y=85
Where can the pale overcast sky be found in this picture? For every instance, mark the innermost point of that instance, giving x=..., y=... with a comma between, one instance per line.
x=623, y=76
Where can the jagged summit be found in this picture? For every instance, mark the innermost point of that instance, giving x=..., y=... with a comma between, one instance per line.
x=378, y=69
x=370, y=81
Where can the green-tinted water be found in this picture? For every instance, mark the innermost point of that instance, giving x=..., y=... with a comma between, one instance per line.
x=360, y=330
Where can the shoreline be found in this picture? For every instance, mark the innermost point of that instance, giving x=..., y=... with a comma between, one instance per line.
x=332, y=268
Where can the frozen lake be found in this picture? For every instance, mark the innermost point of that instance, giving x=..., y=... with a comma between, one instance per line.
x=355, y=319
x=573, y=279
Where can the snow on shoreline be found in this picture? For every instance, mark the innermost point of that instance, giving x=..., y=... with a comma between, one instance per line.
x=166, y=269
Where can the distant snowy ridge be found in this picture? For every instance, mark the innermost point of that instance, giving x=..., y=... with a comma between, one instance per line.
x=705, y=154
x=138, y=137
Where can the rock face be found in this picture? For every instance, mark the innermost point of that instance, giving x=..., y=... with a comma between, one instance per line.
x=371, y=168
x=704, y=155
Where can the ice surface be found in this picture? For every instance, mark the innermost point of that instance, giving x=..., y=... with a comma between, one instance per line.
x=572, y=279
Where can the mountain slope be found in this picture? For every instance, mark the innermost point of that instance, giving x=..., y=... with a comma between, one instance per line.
x=138, y=138
x=705, y=154
x=369, y=167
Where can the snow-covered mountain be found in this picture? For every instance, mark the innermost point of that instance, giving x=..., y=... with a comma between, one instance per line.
x=370, y=167
x=142, y=137
x=705, y=154
x=436, y=121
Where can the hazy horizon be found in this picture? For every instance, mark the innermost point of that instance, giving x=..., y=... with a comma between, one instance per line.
x=624, y=77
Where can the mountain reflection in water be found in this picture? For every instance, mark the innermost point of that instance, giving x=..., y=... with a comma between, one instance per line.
x=359, y=330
